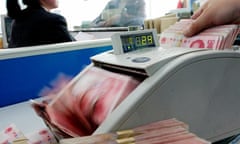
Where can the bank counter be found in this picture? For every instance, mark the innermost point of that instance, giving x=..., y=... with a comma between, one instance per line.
x=197, y=86
x=26, y=71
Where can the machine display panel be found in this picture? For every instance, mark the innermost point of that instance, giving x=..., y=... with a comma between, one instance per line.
x=134, y=40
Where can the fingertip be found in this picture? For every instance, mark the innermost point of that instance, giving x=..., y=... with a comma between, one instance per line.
x=195, y=27
x=188, y=32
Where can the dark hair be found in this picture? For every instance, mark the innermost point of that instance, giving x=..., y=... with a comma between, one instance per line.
x=32, y=3
x=14, y=9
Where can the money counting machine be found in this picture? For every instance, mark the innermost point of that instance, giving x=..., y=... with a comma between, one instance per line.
x=197, y=86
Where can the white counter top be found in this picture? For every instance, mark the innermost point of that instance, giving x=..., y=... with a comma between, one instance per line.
x=23, y=116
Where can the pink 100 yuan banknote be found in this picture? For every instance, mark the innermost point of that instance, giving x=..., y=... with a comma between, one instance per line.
x=219, y=37
x=83, y=104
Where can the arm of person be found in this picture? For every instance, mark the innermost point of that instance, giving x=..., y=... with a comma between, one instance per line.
x=214, y=13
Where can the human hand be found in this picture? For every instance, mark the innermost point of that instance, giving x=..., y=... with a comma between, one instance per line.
x=112, y=21
x=213, y=13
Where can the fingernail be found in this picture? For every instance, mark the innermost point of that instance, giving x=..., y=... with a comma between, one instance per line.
x=186, y=32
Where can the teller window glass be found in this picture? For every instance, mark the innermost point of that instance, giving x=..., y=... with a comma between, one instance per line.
x=108, y=13
x=112, y=13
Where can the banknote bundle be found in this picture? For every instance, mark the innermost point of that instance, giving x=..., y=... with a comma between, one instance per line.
x=169, y=131
x=218, y=38
x=82, y=105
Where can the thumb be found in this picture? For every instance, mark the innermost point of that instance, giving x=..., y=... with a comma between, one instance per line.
x=236, y=21
x=201, y=23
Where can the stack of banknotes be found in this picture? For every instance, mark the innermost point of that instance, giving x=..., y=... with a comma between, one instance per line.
x=169, y=131
x=82, y=105
x=218, y=38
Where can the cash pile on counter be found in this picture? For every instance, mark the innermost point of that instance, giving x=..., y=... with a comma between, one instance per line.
x=219, y=37
x=13, y=135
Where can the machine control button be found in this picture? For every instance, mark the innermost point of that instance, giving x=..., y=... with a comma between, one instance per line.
x=141, y=59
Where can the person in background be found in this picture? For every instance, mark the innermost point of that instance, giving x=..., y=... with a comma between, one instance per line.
x=109, y=10
x=180, y=4
x=121, y=13
x=36, y=25
x=134, y=13
x=214, y=13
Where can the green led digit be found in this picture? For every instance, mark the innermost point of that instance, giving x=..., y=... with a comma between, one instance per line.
x=138, y=41
x=144, y=40
x=130, y=40
x=150, y=39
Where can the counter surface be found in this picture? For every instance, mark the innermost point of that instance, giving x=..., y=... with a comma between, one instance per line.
x=23, y=116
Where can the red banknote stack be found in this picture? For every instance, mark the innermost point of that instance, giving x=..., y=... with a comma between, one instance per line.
x=82, y=105
x=219, y=37
x=170, y=131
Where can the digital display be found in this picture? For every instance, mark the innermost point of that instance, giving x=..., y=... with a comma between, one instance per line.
x=137, y=41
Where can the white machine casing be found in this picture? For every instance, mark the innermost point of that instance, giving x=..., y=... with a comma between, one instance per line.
x=197, y=86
